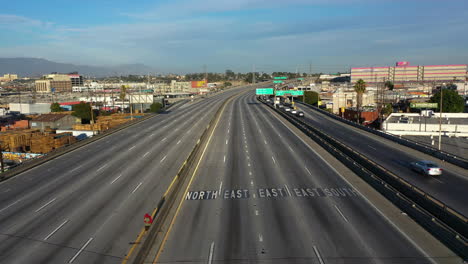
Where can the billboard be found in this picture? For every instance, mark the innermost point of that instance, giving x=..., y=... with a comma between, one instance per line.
x=199, y=84
x=402, y=63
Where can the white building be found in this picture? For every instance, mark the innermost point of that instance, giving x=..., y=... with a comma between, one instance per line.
x=453, y=124
x=37, y=108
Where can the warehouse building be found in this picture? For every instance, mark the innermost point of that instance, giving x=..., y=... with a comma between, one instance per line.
x=403, y=72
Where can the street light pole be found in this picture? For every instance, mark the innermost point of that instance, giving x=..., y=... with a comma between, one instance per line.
x=440, y=116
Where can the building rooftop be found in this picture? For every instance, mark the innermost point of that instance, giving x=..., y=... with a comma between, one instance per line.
x=48, y=117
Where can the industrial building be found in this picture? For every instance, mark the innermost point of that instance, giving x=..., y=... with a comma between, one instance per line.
x=53, y=121
x=404, y=73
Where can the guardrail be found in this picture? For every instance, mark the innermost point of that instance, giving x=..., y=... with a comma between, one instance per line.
x=166, y=202
x=445, y=223
x=29, y=164
x=442, y=155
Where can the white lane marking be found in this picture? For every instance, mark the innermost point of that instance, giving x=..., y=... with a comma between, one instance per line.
x=226, y=141
x=308, y=171
x=81, y=250
x=251, y=183
x=287, y=189
x=5, y=191
x=254, y=196
x=248, y=157
x=248, y=164
x=290, y=148
x=264, y=141
x=260, y=238
x=220, y=186
x=256, y=212
x=152, y=135
x=17, y=201
x=228, y=131
x=138, y=186
x=165, y=126
x=102, y=167
x=224, y=158
x=144, y=155
x=246, y=150
x=164, y=139
x=178, y=142
x=438, y=180
x=116, y=178
x=318, y=255
x=55, y=230
x=274, y=161
x=210, y=257
x=42, y=207
x=250, y=173
x=76, y=168
x=132, y=147
x=342, y=215
x=163, y=159
x=371, y=147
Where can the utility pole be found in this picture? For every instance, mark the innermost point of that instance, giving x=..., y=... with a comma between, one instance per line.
x=253, y=74
x=1, y=157
x=440, y=116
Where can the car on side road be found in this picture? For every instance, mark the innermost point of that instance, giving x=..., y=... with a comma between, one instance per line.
x=426, y=167
x=287, y=109
x=294, y=111
x=300, y=114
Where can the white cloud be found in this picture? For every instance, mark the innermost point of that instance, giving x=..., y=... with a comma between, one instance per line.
x=7, y=20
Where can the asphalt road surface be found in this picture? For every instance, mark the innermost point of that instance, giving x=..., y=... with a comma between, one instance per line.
x=450, y=188
x=88, y=205
x=263, y=196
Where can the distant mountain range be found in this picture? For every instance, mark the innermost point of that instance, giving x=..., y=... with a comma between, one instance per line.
x=32, y=67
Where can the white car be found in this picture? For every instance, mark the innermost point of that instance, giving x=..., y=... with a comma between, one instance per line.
x=426, y=167
x=293, y=112
x=287, y=109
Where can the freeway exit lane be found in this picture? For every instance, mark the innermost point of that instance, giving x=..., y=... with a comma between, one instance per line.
x=262, y=196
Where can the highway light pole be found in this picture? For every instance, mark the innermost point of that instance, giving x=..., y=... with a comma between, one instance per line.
x=440, y=116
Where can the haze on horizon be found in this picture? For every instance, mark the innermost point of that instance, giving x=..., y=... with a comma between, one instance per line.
x=275, y=35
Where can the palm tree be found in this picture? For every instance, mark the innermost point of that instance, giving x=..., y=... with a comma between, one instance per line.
x=360, y=89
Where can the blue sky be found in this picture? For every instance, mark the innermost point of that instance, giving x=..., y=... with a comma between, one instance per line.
x=273, y=35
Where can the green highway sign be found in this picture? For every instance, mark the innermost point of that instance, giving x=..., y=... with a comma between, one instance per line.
x=289, y=92
x=280, y=78
x=423, y=105
x=265, y=91
x=300, y=79
x=277, y=81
